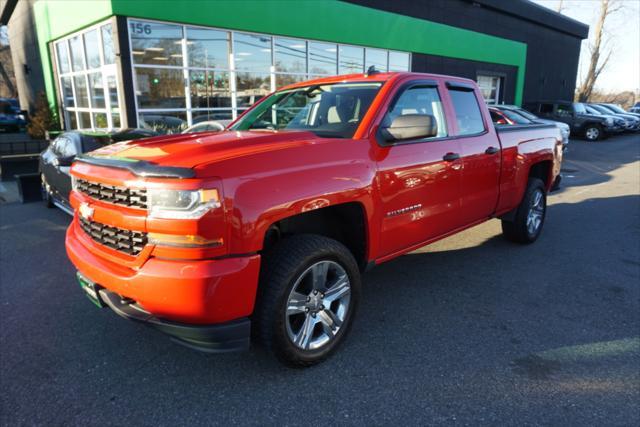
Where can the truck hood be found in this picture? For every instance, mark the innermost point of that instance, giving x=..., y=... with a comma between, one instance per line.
x=191, y=150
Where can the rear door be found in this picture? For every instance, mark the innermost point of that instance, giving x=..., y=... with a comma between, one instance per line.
x=480, y=153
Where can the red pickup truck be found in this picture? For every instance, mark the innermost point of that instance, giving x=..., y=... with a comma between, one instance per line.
x=262, y=230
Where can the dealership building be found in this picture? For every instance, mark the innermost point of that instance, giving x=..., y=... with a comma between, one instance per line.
x=166, y=64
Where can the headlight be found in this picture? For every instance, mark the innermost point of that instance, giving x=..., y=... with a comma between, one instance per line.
x=74, y=183
x=181, y=204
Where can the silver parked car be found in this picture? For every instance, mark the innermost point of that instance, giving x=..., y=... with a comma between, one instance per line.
x=565, y=130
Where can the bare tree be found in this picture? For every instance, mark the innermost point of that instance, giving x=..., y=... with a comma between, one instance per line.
x=560, y=6
x=599, y=54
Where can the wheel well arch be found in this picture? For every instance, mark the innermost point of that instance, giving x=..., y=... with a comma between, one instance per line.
x=542, y=170
x=345, y=222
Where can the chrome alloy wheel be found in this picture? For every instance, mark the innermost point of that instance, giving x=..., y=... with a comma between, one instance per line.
x=318, y=305
x=592, y=134
x=536, y=212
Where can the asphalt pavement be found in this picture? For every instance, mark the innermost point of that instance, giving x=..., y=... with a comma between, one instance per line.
x=472, y=330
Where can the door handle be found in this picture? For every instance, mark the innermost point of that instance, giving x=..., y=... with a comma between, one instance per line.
x=491, y=150
x=450, y=157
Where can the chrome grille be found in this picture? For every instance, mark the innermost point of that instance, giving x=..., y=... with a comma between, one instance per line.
x=130, y=197
x=127, y=241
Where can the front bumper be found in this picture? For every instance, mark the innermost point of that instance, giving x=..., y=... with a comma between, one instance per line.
x=200, y=293
x=219, y=338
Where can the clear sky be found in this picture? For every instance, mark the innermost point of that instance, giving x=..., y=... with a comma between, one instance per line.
x=622, y=34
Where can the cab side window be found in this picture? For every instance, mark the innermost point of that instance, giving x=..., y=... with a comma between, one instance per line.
x=564, y=110
x=468, y=113
x=420, y=100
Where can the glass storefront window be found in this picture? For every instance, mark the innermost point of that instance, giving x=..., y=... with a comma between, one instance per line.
x=398, y=61
x=287, y=79
x=163, y=122
x=63, y=57
x=107, y=45
x=377, y=58
x=83, y=73
x=96, y=90
x=290, y=55
x=67, y=92
x=323, y=58
x=82, y=95
x=160, y=88
x=351, y=60
x=210, y=89
x=203, y=116
x=77, y=60
x=251, y=87
x=228, y=71
x=252, y=52
x=155, y=43
x=208, y=48
x=91, y=49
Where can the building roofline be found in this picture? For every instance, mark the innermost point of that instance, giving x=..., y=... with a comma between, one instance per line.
x=526, y=9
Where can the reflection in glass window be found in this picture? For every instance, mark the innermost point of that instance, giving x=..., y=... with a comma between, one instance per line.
x=323, y=58
x=96, y=90
x=92, y=50
x=251, y=87
x=155, y=43
x=208, y=48
x=351, y=60
x=287, y=79
x=63, y=57
x=85, y=120
x=67, y=92
x=377, y=58
x=77, y=61
x=290, y=55
x=100, y=120
x=112, y=86
x=115, y=119
x=204, y=116
x=163, y=122
x=71, y=120
x=210, y=89
x=252, y=52
x=467, y=110
x=82, y=95
x=398, y=61
x=160, y=88
x=107, y=45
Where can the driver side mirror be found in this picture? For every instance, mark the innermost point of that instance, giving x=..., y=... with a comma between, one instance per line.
x=410, y=126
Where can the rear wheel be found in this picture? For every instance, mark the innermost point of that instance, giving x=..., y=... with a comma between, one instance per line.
x=593, y=133
x=530, y=215
x=309, y=290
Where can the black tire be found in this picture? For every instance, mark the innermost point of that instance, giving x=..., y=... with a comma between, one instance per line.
x=517, y=230
x=46, y=195
x=282, y=266
x=593, y=132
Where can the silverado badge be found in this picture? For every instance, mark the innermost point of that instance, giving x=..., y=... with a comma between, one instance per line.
x=85, y=211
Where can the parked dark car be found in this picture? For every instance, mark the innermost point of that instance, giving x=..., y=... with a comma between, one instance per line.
x=635, y=109
x=11, y=118
x=619, y=124
x=532, y=118
x=56, y=160
x=590, y=126
x=632, y=119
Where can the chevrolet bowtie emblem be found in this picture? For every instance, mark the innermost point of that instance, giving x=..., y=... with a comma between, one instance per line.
x=85, y=211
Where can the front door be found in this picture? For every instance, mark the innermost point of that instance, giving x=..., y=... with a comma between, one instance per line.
x=418, y=180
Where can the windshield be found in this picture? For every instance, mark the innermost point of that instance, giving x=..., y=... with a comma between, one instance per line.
x=515, y=117
x=329, y=110
x=579, y=108
x=615, y=108
x=601, y=109
x=592, y=110
x=526, y=114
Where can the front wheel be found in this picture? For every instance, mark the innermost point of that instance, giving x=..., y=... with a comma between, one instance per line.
x=309, y=290
x=530, y=215
x=593, y=133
